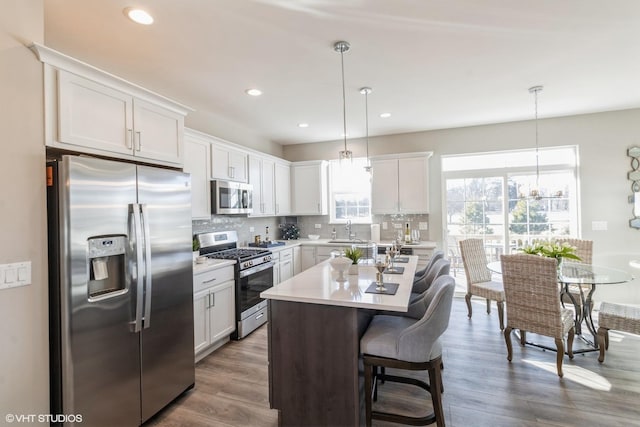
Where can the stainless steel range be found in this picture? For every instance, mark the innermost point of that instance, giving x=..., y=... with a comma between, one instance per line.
x=253, y=274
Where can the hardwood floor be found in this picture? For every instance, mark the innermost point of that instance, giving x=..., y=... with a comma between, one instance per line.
x=481, y=387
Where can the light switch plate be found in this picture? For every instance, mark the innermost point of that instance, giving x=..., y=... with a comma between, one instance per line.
x=15, y=274
x=385, y=225
x=318, y=225
x=423, y=225
x=252, y=229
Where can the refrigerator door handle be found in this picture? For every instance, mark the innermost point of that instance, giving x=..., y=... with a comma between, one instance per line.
x=134, y=212
x=148, y=283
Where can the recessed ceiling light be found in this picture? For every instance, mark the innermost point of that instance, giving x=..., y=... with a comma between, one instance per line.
x=303, y=125
x=138, y=15
x=253, y=92
x=385, y=115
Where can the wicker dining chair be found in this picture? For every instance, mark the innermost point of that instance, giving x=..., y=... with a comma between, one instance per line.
x=479, y=280
x=531, y=293
x=584, y=250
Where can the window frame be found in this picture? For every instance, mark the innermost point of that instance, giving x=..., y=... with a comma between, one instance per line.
x=333, y=191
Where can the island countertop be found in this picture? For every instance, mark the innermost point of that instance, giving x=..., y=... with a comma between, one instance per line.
x=318, y=285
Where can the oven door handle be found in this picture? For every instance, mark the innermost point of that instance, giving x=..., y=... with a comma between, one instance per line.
x=256, y=269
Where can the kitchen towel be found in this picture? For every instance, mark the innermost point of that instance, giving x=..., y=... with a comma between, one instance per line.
x=375, y=233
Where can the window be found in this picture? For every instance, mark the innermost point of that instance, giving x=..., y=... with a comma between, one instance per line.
x=350, y=192
x=487, y=197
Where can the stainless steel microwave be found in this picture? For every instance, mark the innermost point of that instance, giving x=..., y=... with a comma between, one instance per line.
x=229, y=197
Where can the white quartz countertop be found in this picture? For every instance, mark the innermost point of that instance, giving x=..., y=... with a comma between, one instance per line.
x=211, y=264
x=318, y=285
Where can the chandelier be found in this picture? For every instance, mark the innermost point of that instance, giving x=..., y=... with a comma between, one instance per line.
x=535, y=192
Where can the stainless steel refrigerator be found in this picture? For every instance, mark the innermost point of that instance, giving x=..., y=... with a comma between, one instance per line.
x=121, y=289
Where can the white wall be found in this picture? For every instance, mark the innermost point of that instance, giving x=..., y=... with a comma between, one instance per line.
x=212, y=124
x=24, y=356
x=602, y=139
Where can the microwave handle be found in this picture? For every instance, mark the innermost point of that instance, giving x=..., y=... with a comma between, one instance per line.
x=245, y=199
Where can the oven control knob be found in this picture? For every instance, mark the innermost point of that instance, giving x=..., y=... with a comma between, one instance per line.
x=267, y=258
x=248, y=264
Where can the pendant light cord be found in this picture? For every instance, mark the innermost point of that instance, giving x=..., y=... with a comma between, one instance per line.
x=537, y=151
x=366, y=120
x=344, y=103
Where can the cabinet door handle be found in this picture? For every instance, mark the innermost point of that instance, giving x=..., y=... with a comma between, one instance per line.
x=139, y=140
x=210, y=280
x=213, y=300
x=129, y=141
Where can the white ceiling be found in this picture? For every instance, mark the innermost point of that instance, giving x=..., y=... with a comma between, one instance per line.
x=433, y=64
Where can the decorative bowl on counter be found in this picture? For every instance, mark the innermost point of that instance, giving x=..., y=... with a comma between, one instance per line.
x=313, y=236
x=340, y=264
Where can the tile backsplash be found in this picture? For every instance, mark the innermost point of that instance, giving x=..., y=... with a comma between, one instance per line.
x=395, y=223
x=307, y=225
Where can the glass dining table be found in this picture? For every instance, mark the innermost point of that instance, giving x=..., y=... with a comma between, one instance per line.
x=574, y=278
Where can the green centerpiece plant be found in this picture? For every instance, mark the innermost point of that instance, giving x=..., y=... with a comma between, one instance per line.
x=354, y=254
x=552, y=249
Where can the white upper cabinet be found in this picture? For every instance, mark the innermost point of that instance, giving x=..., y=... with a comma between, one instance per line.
x=282, y=189
x=228, y=163
x=309, y=188
x=157, y=132
x=94, y=116
x=261, y=176
x=90, y=111
x=400, y=184
x=197, y=162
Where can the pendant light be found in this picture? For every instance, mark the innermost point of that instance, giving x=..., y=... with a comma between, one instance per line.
x=366, y=91
x=535, y=192
x=343, y=47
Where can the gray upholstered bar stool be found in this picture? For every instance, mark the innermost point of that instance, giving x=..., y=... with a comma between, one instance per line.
x=422, y=272
x=439, y=268
x=404, y=342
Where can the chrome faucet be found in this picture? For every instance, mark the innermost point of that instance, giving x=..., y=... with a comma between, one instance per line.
x=350, y=235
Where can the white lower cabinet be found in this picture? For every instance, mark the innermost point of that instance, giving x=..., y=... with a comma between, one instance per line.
x=286, y=264
x=307, y=257
x=297, y=260
x=282, y=265
x=213, y=310
x=323, y=253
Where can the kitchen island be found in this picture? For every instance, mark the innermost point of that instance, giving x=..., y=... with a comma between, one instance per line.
x=315, y=325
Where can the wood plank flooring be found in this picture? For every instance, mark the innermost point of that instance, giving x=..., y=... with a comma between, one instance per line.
x=481, y=387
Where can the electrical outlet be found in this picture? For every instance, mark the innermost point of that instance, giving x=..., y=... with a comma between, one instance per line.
x=318, y=225
x=385, y=225
x=252, y=229
x=423, y=226
x=397, y=226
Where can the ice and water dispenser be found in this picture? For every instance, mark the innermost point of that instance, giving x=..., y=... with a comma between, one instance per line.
x=106, y=266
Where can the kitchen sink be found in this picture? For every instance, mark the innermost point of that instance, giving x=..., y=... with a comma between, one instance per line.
x=346, y=241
